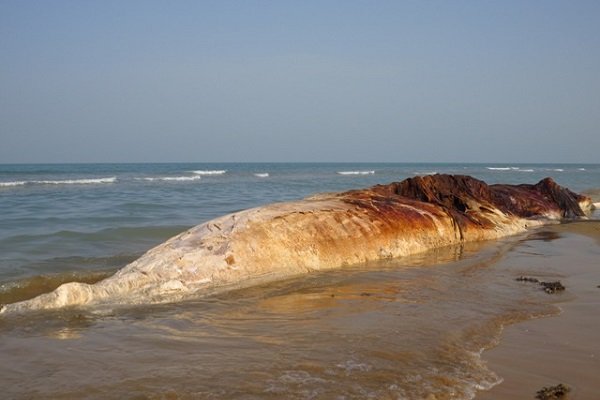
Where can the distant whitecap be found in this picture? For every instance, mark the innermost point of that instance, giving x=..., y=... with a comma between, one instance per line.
x=262, y=174
x=96, y=181
x=499, y=168
x=210, y=172
x=171, y=178
x=356, y=172
x=10, y=184
x=421, y=173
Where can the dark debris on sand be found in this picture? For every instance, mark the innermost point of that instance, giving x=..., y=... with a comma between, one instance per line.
x=552, y=287
x=548, y=287
x=553, y=392
x=527, y=279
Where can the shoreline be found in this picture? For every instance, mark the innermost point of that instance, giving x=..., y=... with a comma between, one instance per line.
x=409, y=331
x=562, y=348
x=323, y=232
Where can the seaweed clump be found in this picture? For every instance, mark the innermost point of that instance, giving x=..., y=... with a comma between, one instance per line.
x=553, y=392
x=548, y=287
x=552, y=287
x=527, y=279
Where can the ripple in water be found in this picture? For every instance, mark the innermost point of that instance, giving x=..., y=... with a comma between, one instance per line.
x=406, y=329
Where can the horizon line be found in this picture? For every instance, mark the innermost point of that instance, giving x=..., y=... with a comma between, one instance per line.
x=293, y=162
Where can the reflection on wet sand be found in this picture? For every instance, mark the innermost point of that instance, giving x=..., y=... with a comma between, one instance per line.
x=412, y=328
x=563, y=349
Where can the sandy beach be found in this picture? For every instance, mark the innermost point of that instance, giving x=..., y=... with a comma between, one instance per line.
x=562, y=348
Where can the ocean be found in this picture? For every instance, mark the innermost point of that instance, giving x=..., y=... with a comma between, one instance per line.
x=410, y=328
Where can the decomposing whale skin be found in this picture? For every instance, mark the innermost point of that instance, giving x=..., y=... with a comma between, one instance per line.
x=322, y=232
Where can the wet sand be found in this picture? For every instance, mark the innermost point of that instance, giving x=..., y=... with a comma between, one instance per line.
x=411, y=328
x=563, y=348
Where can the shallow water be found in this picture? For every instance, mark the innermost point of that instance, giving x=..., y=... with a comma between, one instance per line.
x=412, y=328
x=100, y=216
x=408, y=329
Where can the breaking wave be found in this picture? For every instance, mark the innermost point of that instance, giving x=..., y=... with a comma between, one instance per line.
x=171, y=178
x=112, y=179
x=210, y=172
x=516, y=169
x=94, y=181
x=425, y=172
x=262, y=174
x=356, y=172
x=16, y=183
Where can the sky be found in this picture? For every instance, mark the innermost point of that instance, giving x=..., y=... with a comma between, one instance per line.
x=278, y=81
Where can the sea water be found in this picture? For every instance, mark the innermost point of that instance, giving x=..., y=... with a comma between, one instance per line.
x=409, y=328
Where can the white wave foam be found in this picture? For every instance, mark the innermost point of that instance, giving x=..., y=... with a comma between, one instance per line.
x=356, y=172
x=210, y=172
x=580, y=169
x=94, y=181
x=262, y=174
x=426, y=172
x=499, y=168
x=10, y=184
x=554, y=169
x=526, y=170
x=171, y=178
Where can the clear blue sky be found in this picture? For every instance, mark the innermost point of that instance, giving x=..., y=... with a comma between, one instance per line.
x=136, y=81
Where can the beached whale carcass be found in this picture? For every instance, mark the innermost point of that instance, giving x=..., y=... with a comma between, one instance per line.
x=322, y=232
